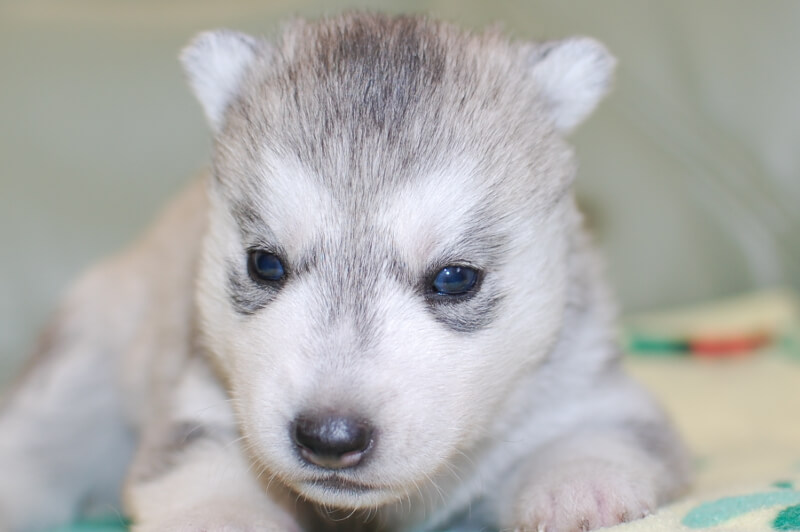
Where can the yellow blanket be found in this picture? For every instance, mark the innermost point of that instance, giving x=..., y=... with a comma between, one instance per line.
x=741, y=418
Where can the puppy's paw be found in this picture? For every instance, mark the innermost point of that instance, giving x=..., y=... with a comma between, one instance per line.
x=218, y=519
x=582, y=495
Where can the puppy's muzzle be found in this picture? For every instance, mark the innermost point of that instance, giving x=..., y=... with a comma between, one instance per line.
x=332, y=441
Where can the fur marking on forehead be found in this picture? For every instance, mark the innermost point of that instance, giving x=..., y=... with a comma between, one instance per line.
x=353, y=99
x=365, y=76
x=364, y=102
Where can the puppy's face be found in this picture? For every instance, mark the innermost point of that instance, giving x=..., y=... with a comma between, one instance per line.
x=387, y=248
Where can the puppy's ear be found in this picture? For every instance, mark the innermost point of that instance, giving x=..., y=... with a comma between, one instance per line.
x=215, y=63
x=572, y=76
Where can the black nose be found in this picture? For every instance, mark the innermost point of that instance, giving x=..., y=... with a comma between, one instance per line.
x=331, y=441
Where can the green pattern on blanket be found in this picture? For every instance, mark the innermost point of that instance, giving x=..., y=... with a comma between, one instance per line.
x=788, y=519
x=722, y=510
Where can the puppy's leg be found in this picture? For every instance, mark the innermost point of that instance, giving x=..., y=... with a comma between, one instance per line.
x=190, y=473
x=64, y=443
x=210, y=487
x=603, y=474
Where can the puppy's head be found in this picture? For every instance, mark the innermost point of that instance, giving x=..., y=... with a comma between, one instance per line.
x=388, y=238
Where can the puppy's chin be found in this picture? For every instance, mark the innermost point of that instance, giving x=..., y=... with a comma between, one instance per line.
x=338, y=491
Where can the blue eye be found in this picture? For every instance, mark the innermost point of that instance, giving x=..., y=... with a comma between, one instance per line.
x=455, y=280
x=264, y=266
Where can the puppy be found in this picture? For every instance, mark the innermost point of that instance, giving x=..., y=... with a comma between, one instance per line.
x=378, y=311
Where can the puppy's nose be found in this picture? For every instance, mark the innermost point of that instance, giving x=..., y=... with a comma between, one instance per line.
x=331, y=441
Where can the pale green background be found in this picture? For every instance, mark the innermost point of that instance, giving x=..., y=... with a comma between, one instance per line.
x=690, y=171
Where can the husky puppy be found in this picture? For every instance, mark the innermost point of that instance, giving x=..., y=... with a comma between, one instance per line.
x=378, y=311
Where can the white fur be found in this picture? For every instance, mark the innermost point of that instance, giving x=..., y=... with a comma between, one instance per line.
x=215, y=63
x=573, y=76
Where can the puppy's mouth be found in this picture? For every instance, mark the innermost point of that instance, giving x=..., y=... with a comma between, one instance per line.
x=339, y=491
x=340, y=484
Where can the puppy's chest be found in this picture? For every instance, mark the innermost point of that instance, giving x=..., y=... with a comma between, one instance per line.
x=401, y=517
x=323, y=520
